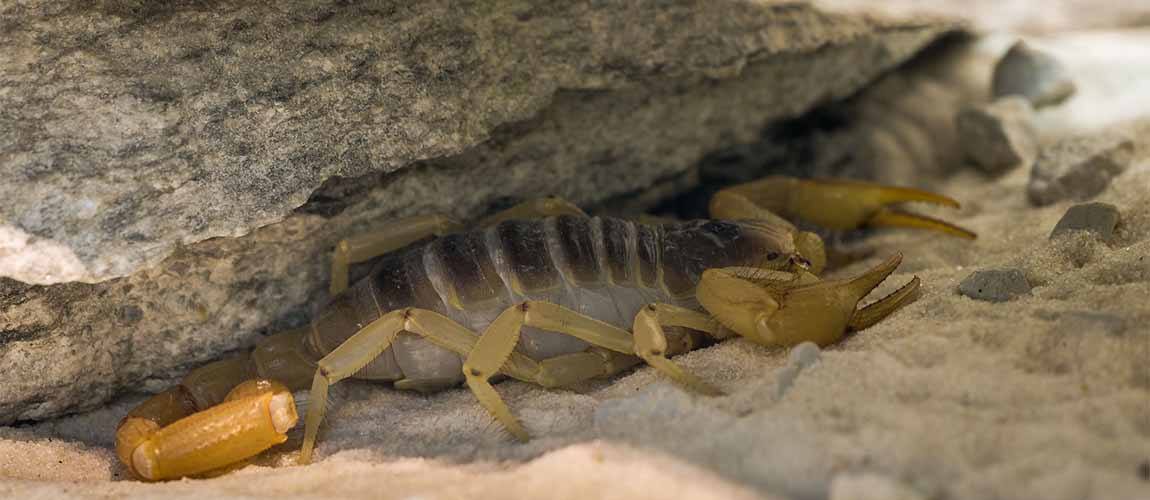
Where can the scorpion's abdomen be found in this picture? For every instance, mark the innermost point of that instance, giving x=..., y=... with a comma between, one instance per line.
x=604, y=268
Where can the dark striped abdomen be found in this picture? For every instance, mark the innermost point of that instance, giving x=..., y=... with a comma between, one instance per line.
x=605, y=268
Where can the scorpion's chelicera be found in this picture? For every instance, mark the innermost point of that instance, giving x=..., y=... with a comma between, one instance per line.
x=539, y=293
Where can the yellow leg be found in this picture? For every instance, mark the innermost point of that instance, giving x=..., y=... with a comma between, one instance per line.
x=485, y=360
x=651, y=341
x=533, y=209
x=831, y=203
x=405, y=231
x=498, y=341
x=368, y=343
x=396, y=235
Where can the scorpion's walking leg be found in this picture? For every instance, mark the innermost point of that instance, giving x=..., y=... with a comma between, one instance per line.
x=833, y=204
x=651, y=340
x=405, y=231
x=393, y=236
x=342, y=362
x=499, y=339
x=533, y=209
x=371, y=341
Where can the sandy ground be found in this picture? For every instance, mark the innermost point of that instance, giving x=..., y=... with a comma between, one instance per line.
x=1046, y=396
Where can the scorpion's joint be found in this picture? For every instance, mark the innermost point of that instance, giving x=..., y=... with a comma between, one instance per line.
x=523, y=306
x=282, y=410
x=144, y=463
x=474, y=372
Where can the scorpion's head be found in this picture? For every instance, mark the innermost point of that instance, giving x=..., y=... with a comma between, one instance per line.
x=779, y=246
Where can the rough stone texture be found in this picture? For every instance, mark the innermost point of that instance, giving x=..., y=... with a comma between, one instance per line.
x=1033, y=74
x=1078, y=167
x=1000, y=136
x=582, y=102
x=131, y=128
x=1098, y=218
x=995, y=285
x=1016, y=16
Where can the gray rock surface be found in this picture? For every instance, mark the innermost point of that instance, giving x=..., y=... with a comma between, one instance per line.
x=1033, y=74
x=1098, y=218
x=131, y=129
x=1078, y=167
x=995, y=285
x=999, y=136
x=147, y=129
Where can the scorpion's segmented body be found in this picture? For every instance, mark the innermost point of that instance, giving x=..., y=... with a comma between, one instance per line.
x=603, y=267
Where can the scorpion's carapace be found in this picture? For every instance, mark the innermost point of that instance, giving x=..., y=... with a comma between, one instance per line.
x=539, y=293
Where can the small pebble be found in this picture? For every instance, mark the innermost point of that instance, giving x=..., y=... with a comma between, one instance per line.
x=1078, y=167
x=1032, y=74
x=784, y=379
x=805, y=354
x=1097, y=218
x=995, y=285
x=999, y=136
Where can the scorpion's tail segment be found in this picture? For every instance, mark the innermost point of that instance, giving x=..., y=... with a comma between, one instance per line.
x=834, y=203
x=257, y=414
x=823, y=312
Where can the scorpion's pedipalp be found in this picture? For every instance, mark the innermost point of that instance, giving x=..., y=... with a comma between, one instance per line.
x=777, y=312
x=890, y=217
x=838, y=204
x=878, y=310
x=823, y=312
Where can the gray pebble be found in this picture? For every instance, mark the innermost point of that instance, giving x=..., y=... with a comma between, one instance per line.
x=994, y=285
x=1097, y=218
x=805, y=354
x=999, y=136
x=1078, y=167
x=785, y=378
x=1032, y=74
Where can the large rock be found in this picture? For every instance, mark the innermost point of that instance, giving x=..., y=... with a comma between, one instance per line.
x=131, y=128
x=131, y=132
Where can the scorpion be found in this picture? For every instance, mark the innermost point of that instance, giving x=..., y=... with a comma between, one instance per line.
x=540, y=293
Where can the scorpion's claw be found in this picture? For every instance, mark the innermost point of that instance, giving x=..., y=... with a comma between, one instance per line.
x=823, y=312
x=837, y=203
x=788, y=312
